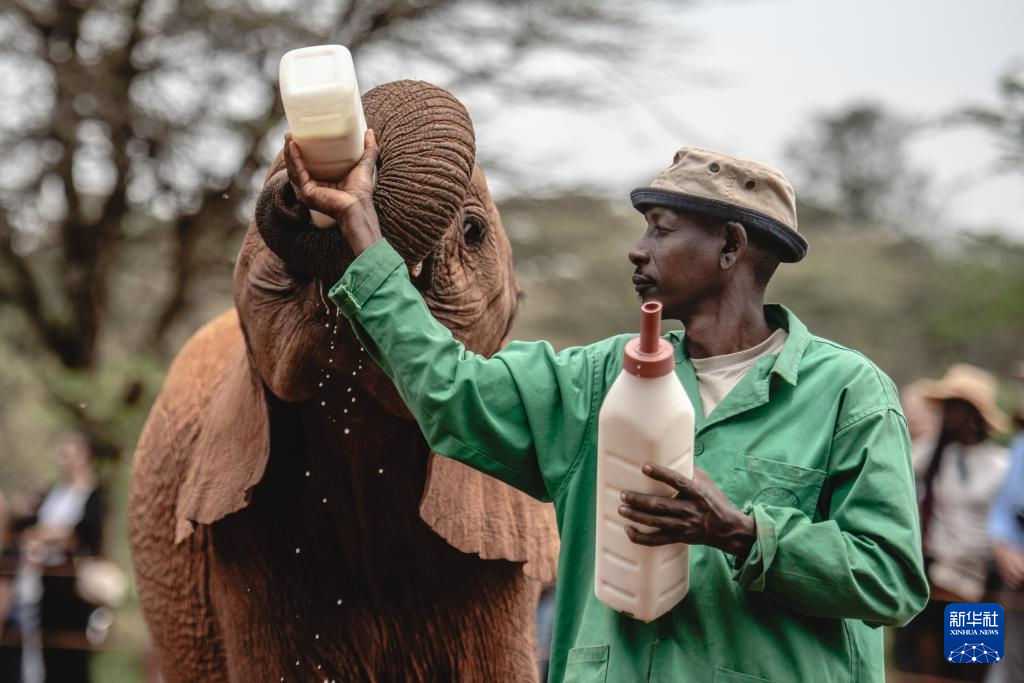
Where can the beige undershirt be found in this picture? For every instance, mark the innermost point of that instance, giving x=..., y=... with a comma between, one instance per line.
x=717, y=375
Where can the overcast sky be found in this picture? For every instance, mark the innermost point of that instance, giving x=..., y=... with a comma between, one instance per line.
x=761, y=68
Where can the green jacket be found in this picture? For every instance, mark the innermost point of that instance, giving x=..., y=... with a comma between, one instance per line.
x=811, y=442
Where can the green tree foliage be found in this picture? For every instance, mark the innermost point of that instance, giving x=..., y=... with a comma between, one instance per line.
x=1005, y=122
x=911, y=306
x=571, y=263
x=853, y=166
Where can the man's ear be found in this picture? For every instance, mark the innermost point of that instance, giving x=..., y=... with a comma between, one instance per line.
x=734, y=244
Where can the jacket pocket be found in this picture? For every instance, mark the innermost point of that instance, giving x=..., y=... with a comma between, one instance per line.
x=726, y=676
x=770, y=482
x=587, y=665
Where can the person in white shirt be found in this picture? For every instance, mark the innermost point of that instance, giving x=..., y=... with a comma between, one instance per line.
x=49, y=613
x=959, y=473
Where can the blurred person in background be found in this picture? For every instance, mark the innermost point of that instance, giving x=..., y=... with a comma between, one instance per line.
x=959, y=472
x=922, y=415
x=9, y=656
x=46, y=609
x=18, y=590
x=1006, y=527
x=545, y=628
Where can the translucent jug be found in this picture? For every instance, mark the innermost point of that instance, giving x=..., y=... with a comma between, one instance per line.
x=324, y=111
x=646, y=417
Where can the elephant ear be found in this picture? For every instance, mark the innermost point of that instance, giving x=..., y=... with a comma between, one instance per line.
x=478, y=514
x=232, y=441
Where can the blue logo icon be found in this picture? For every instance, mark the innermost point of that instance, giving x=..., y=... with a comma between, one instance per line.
x=974, y=633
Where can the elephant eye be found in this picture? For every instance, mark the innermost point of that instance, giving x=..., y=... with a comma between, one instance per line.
x=472, y=230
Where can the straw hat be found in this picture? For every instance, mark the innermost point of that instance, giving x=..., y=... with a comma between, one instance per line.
x=974, y=385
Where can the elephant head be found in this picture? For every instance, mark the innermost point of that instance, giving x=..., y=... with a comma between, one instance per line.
x=436, y=211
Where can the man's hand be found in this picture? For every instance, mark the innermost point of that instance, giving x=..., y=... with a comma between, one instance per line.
x=1009, y=564
x=348, y=201
x=699, y=514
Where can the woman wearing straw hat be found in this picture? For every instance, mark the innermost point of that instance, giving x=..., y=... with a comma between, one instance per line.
x=959, y=473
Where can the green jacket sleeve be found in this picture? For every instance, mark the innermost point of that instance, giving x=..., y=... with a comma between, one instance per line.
x=520, y=415
x=864, y=560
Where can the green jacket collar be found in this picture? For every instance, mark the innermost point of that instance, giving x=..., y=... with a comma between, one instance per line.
x=787, y=363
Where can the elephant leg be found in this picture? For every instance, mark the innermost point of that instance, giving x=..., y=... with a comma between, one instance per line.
x=172, y=580
x=500, y=644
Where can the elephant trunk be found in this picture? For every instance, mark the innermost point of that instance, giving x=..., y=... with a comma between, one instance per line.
x=427, y=151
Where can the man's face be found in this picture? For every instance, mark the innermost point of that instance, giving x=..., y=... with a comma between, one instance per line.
x=677, y=262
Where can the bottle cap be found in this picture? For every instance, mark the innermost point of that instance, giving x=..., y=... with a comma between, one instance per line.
x=649, y=355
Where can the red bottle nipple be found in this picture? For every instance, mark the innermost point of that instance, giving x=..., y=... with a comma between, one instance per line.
x=649, y=355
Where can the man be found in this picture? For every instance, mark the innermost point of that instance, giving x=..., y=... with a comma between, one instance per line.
x=801, y=512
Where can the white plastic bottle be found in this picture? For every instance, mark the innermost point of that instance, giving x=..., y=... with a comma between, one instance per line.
x=646, y=417
x=324, y=111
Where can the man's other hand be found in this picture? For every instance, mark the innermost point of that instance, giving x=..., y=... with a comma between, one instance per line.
x=699, y=514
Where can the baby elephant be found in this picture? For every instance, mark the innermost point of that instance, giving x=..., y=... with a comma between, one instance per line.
x=287, y=519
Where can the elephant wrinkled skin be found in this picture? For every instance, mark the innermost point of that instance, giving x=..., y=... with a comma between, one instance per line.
x=287, y=520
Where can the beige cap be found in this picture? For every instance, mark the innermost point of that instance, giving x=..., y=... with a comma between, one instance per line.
x=717, y=184
x=974, y=385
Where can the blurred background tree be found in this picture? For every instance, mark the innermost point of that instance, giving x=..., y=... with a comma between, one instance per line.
x=1005, y=122
x=853, y=165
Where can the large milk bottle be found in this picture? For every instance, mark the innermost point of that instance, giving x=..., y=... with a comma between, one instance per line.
x=325, y=114
x=646, y=418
